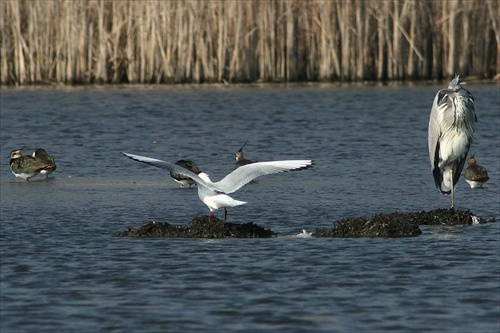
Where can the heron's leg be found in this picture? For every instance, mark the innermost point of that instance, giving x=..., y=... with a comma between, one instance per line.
x=452, y=190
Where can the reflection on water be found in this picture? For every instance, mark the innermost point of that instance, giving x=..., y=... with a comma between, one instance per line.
x=61, y=270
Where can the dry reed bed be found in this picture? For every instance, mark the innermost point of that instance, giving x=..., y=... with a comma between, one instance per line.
x=106, y=41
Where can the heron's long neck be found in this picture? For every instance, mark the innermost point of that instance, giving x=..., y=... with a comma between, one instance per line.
x=460, y=121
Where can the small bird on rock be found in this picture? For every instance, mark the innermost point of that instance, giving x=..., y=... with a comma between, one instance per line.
x=185, y=180
x=240, y=159
x=26, y=167
x=475, y=174
x=41, y=155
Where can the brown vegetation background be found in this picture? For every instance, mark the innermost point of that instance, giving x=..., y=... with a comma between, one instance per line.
x=106, y=41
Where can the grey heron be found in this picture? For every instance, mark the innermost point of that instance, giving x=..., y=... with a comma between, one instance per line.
x=475, y=175
x=451, y=130
x=215, y=195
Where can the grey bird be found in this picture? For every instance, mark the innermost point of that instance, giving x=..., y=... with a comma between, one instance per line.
x=26, y=167
x=184, y=180
x=240, y=158
x=41, y=155
x=475, y=175
x=215, y=194
x=451, y=130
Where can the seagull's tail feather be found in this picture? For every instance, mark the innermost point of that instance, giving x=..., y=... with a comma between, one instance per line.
x=224, y=200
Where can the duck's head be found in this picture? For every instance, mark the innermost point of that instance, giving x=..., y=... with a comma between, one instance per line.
x=16, y=154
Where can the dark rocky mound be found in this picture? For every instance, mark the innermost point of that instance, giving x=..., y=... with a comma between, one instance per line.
x=444, y=217
x=397, y=224
x=391, y=225
x=199, y=227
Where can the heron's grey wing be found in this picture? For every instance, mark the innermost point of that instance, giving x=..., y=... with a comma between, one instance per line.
x=246, y=173
x=441, y=103
x=469, y=104
x=434, y=132
x=168, y=166
x=470, y=120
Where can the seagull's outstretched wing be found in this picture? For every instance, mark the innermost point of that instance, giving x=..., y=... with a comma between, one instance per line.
x=246, y=173
x=170, y=167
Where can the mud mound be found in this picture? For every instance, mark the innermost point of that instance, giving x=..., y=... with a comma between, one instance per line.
x=382, y=225
x=443, y=217
x=199, y=227
x=397, y=224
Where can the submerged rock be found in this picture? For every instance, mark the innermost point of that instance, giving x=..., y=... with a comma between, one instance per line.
x=448, y=216
x=397, y=224
x=391, y=225
x=199, y=227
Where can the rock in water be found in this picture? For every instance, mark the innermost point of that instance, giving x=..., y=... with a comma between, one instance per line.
x=391, y=225
x=199, y=227
x=397, y=224
x=387, y=226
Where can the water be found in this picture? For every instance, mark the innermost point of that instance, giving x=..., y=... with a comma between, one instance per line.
x=62, y=271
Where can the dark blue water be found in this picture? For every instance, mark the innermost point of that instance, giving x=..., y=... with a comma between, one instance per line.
x=62, y=271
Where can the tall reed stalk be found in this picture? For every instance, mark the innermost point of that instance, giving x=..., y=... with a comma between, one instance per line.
x=153, y=41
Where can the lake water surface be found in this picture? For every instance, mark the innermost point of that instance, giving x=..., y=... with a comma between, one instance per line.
x=62, y=271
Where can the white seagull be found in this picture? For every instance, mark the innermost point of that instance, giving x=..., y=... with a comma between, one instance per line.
x=215, y=195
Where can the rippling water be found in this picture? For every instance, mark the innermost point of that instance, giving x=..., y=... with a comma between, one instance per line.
x=62, y=271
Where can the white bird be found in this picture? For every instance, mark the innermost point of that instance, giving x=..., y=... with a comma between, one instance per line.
x=451, y=130
x=304, y=234
x=215, y=195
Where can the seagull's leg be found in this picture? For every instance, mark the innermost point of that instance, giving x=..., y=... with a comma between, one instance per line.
x=211, y=218
x=452, y=190
x=225, y=217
